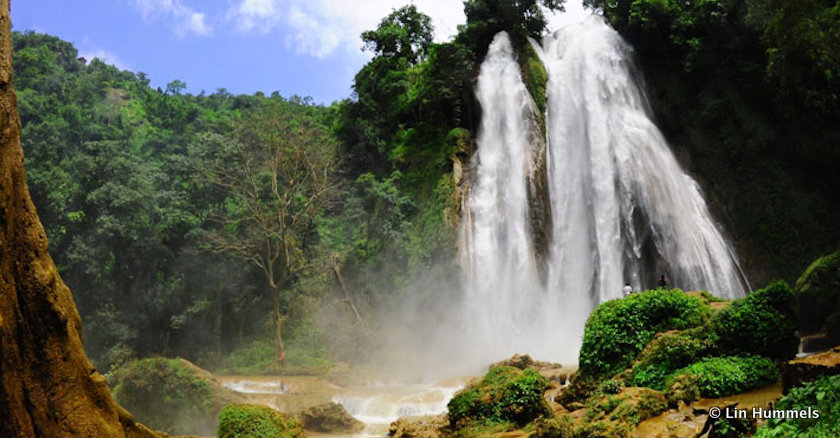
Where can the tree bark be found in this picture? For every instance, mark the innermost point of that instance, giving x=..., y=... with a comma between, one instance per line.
x=48, y=387
x=217, y=328
x=347, y=296
x=279, y=348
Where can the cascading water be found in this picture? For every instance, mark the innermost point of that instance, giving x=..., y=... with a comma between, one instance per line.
x=502, y=279
x=621, y=209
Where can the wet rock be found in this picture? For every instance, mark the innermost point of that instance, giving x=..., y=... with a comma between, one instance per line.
x=418, y=427
x=329, y=417
x=800, y=371
x=524, y=361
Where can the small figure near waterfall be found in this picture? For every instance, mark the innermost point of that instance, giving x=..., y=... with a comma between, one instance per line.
x=662, y=282
x=627, y=290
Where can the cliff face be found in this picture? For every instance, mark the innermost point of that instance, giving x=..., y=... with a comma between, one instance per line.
x=49, y=387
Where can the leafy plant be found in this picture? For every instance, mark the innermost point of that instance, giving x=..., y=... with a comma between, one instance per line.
x=253, y=421
x=505, y=394
x=722, y=376
x=618, y=330
x=822, y=395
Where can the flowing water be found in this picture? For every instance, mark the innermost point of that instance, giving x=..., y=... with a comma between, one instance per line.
x=620, y=207
x=555, y=222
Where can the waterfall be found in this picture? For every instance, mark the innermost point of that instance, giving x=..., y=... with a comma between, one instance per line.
x=621, y=208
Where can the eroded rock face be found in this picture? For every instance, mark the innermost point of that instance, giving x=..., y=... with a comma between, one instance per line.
x=329, y=417
x=49, y=387
x=800, y=371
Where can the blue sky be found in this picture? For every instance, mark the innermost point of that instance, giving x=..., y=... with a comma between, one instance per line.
x=303, y=47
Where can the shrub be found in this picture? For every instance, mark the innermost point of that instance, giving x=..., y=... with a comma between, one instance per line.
x=253, y=421
x=169, y=394
x=723, y=376
x=760, y=324
x=822, y=395
x=667, y=353
x=817, y=294
x=618, y=330
x=505, y=394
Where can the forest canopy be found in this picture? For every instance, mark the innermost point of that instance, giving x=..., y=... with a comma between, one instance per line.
x=214, y=226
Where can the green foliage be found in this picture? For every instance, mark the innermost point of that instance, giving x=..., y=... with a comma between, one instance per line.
x=822, y=395
x=112, y=168
x=723, y=376
x=667, y=353
x=306, y=356
x=744, y=88
x=817, y=294
x=607, y=415
x=253, y=421
x=802, y=46
x=505, y=394
x=167, y=394
x=405, y=33
x=536, y=79
x=519, y=18
x=761, y=323
x=617, y=331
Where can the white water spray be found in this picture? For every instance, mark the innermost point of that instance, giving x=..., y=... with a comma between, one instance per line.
x=621, y=211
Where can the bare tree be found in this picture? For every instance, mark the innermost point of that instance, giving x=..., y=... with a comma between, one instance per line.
x=276, y=175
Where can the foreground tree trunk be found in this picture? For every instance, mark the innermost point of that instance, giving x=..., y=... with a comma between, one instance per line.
x=48, y=387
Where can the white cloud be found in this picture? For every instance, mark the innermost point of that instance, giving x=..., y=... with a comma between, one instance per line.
x=259, y=15
x=320, y=27
x=183, y=19
x=106, y=57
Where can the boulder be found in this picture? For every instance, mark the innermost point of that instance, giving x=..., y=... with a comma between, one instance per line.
x=525, y=362
x=329, y=417
x=254, y=421
x=797, y=372
x=418, y=427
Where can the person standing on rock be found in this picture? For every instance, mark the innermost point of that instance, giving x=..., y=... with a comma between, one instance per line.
x=627, y=290
x=662, y=282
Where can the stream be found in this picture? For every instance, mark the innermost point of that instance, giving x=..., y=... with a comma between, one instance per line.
x=376, y=404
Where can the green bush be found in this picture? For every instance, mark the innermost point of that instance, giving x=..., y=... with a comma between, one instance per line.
x=822, y=395
x=505, y=394
x=168, y=394
x=618, y=330
x=760, y=324
x=817, y=294
x=253, y=421
x=667, y=353
x=723, y=376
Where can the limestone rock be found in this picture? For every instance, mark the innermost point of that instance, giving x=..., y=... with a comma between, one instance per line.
x=418, y=427
x=524, y=361
x=800, y=371
x=329, y=417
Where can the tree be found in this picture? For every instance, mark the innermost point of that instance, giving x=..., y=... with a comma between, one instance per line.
x=520, y=18
x=405, y=33
x=276, y=174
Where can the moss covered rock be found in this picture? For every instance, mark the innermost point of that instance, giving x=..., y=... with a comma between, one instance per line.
x=667, y=353
x=171, y=395
x=505, y=394
x=761, y=324
x=618, y=330
x=723, y=376
x=817, y=294
x=606, y=415
x=253, y=421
